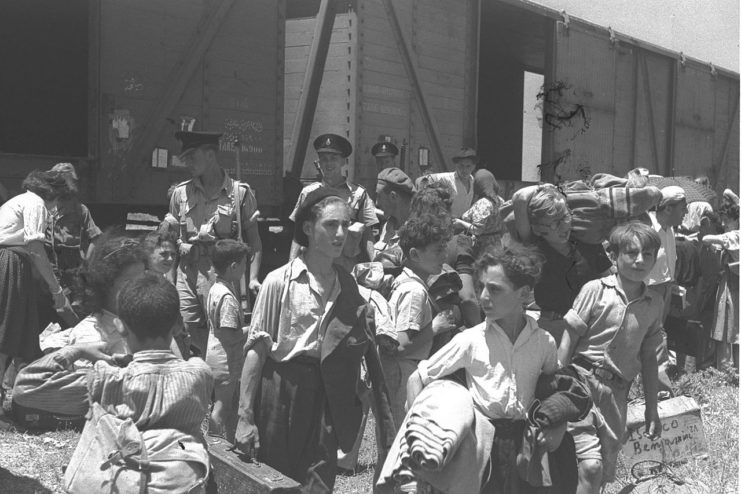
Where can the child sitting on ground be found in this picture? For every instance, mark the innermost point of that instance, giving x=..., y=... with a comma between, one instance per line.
x=227, y=334
x=145, y=421
x=613, y=332
x=423, y=241
x=502, y=358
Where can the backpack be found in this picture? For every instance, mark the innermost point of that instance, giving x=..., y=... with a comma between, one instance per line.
x=113, y=455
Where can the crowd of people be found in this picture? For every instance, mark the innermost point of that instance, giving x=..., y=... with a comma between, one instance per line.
x=494, y=339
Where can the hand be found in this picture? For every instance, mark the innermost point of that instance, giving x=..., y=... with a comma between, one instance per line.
x=184, y=248
x=653, y=425
x=247, y=438
x=443, y=322
x=550, y=437
x=255, y=286
x=60, y=299
x=94, y=352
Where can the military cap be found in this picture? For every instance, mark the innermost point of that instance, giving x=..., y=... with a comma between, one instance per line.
x=466, y=153
x=384, y=149
x=395, y=179
x=332, y=143
x=302, y=214
x=194, y=140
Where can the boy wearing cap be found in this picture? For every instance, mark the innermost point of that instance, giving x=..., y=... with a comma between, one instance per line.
x=333, y=151
x=460, y=181
x=385, y=154
x=394, y=191
x=203, y=210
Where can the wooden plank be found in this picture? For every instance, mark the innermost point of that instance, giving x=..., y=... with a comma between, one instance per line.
x=233, y=475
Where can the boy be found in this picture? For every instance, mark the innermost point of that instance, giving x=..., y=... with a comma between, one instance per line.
x=164, y=396
x=227, y=334
x=613, y=332
x=423, y=241
x=502, y=357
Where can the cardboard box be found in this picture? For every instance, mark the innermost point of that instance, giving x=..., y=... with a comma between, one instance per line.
x=682, y=435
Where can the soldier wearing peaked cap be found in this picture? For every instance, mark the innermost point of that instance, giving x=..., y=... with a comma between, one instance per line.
x=333, y=151
x=203, y=210
x=385, y=154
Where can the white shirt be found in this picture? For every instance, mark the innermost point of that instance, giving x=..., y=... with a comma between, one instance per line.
x=23, y=219
x=500, y=376
x=666, y=259
x=462, y=191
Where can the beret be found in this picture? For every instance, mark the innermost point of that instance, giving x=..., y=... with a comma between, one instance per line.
x=395, y=179
x=671, y=194
x=302, y=214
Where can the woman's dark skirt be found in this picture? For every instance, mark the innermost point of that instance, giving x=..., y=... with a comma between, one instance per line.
x=296, y=435
x=19, y=315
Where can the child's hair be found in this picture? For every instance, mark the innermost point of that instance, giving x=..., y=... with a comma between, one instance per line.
x=523, y=264
x=226, y=252
x=547, y=204
x=422, y=231
x=149, y=305
x=154, y=239
x=114, y=251
x=622, y=236
x=50, y=185
x=432, y=198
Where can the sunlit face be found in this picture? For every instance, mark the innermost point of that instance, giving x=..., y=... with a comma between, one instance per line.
x=465, y=167
x=162, y=258
x=556, y=232
x=634, y=262
x=331, y=166
x=431, y=258
x=328, y=233
x=498, y=296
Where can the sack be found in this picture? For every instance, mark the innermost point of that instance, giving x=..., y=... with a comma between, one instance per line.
x=114, y=456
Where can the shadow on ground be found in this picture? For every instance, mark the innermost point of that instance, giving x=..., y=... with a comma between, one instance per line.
x=18, y=484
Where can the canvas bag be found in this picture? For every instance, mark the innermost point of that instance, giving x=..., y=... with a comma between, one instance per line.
x=114, y=456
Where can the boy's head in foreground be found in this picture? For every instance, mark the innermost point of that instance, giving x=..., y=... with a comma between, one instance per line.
x=506, y=277
x=424, y=241
x=633, y=248
x=229, y=258
x=148, y=308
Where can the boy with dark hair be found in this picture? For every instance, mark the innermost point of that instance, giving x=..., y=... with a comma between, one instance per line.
x=226, y=333
x=159, y=398
x=614, y=330
x=502, y=357
x=423, y=240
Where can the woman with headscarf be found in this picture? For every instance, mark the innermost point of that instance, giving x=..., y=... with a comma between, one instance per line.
x=309, y=332
x=23, y=223
x=483, y=221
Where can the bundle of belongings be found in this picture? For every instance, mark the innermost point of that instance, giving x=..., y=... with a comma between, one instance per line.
x=445, y=443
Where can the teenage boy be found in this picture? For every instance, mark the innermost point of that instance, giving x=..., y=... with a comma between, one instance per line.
x=614, y=330
x=227, y=333
x=423, y=241
x=502, y=358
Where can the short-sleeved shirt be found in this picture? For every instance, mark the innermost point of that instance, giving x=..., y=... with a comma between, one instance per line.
x=23, y=219
x=193, y=212
x=411, y=308
x=501, y=376
x=612, y=330
x=289, y=314
x=72, y=230
x=462, y=191
x=226, y=331
x=563, y=276
x=666, y=259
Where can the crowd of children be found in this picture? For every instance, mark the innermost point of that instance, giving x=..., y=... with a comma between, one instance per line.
x=437, y=303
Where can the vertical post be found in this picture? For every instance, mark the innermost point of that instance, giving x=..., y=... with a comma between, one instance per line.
x=669, y=168
x=310, y=87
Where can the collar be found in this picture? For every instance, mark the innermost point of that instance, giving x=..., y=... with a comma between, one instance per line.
x=530, y=327
x=412, y=275
x=154, y=356
x=344, y=184
x=226, y=184
x=298, y=267
x=612, y=282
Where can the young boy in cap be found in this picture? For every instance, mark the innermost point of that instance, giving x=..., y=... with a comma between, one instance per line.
x=613, y=332
x=203, y=210
x=333, y=151
x=461, y=180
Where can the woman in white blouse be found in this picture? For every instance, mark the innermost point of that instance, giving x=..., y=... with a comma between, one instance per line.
x=23, y=223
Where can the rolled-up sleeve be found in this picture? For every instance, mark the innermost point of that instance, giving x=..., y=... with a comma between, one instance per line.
x=35, y=218
x=453, y=356
x=266, y=312
x=580, y=314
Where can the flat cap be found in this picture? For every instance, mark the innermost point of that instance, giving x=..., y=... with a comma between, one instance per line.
x=673, y=193
x=194, y=140
x=384, y=149
x=395, y=179
x=466, y=153
x=333, y=143
x=302, y=214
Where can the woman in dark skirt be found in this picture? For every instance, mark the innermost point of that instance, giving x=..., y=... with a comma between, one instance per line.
x=308, y=335
x=23, y=223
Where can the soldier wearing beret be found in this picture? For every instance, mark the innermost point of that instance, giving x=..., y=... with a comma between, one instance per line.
x=333, y=151
x=203, y=210
x=460, y=181
x=394, y=191
x=385, y=154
